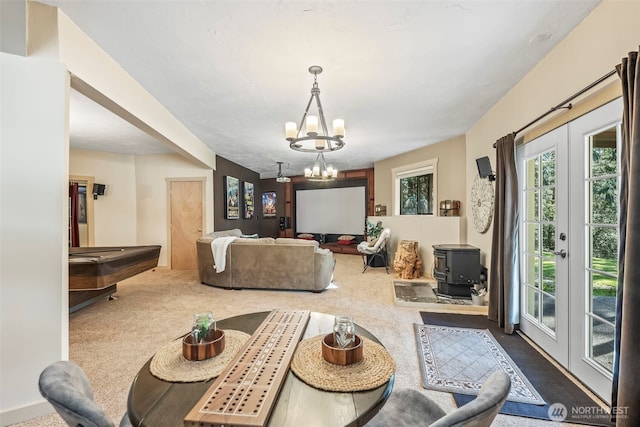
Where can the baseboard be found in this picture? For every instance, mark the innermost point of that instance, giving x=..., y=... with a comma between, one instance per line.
x=24, y=413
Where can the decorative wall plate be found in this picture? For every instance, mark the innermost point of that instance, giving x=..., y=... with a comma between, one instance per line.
x=482, y=198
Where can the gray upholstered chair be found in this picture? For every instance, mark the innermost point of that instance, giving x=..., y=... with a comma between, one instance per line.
x=378, y=250
x=409, y=407
x=65, y=385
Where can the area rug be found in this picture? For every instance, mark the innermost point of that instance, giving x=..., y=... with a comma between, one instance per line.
x=554, y=386
x=459, y=360
x=420, y=294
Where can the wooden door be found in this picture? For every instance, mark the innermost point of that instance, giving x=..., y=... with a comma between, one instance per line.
x=185, y=201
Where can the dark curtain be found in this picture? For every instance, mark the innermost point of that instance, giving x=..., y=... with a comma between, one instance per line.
x=74, y=230
x=504, y=286
x=626, y=362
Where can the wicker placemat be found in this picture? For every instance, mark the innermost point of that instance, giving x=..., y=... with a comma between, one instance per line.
x=168, y=364
x=374, y=370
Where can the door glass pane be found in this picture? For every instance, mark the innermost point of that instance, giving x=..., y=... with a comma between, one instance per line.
x=549, y=311
x=604, y=199
x=549, y=275
x=603, y=295
x=532, y=238
x=601, y=343
x=532, y=205
x=533, y=270
x=604, y=247
x=532, y=302
x=548, y=239
x=604, y=153
x=549, y=204
x=549, y=168
x=531, y=167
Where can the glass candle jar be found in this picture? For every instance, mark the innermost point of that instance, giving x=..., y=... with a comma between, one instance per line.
x=343, y=332
x=203, y=327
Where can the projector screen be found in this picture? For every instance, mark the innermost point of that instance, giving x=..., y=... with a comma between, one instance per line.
x=331, y=210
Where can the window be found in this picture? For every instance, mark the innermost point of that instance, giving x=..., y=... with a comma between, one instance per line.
x=414, y=188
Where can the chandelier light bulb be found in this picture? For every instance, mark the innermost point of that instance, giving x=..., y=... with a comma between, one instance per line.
x=291, y=130
x=338, y=128
x=312, y=125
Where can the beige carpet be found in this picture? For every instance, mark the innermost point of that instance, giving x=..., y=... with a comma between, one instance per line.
x=111, y=340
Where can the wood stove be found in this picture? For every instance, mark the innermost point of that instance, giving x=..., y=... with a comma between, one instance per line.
x=456, y=268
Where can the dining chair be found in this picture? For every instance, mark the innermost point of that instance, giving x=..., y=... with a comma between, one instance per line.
x=66, y=386
x=408, y=407
x=378, y=250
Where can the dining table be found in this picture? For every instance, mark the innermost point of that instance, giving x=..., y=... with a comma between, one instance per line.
x=154, y=402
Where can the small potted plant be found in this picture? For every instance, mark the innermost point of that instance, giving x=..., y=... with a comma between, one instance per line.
x=373, y=231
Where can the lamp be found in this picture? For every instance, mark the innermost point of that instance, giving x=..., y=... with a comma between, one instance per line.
x=320, y=171
x=317, y=137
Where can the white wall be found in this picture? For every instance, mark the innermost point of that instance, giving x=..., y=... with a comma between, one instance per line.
x=134, y=209
x=114, y=213
x=33, y=233
x=427, y=230
x=591, y=50
x=152, y=172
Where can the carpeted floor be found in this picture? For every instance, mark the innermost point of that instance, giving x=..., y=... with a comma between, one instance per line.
x=111, y=340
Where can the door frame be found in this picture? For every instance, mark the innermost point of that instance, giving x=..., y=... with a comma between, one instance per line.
x=88, y=182
x=594, y=376
x=168, y=181
x=556, y=345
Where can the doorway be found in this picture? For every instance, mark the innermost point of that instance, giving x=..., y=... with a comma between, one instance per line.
x=85, y=213
x=569, y=238
x=186, y=213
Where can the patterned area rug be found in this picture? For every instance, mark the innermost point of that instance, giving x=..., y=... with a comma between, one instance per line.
x=458, y=360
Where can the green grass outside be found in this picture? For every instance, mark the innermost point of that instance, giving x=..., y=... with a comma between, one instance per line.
x=603, y=285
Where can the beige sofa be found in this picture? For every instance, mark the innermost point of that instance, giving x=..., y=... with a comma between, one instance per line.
x=266, y=263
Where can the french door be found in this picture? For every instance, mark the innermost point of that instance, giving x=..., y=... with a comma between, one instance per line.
x=569, y=239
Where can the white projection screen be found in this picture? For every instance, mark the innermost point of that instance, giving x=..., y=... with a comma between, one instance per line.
x=331, y=210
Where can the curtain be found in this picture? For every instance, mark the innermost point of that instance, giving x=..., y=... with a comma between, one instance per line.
x=74, y=229
x=626, y=362
x=504, y=287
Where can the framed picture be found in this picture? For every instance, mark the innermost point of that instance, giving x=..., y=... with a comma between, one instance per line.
x=232, y=194
x=248, y=200
x=269, y=204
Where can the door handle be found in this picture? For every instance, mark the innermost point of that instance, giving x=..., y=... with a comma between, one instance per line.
x=561, y=252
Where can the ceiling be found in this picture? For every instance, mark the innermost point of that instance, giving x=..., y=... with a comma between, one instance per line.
x=402, y=74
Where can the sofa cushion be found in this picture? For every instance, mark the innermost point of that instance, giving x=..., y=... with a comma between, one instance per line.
x=252, y=241
x=302, y=242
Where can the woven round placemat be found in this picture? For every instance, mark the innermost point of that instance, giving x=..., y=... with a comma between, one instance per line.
x=375, y=368
x=168, y=364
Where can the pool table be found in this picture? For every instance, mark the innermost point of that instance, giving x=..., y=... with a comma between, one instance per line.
x=95, y=271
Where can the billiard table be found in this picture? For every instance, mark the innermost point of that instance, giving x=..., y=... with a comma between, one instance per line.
x=95, y=271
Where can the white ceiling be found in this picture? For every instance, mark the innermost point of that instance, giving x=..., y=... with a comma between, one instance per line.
x=402, y=74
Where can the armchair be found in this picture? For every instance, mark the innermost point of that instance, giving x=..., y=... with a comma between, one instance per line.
x=377, y=251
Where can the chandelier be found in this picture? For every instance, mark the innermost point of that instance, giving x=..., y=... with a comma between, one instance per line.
x=320, y=171
x=317, y=137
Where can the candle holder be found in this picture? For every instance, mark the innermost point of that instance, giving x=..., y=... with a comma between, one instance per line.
x=336, y=355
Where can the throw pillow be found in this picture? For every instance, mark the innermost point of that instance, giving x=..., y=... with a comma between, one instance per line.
x=373, y=243
x=250, y=236
x=346, y=237
x=306, y=236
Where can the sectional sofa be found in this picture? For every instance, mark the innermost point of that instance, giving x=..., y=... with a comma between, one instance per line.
x=266, y=263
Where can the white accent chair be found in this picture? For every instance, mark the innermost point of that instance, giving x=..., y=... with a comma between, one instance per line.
x=378, y=250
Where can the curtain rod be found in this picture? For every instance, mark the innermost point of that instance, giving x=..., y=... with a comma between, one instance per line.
x=562, y=104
